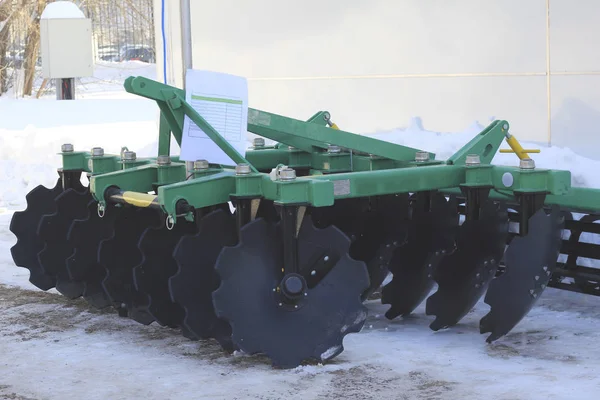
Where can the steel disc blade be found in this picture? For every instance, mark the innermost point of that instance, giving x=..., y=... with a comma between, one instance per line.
x=85, y=236
x=464, y=275
x=261, y=323
x=53, y=230
x=119, y=254
x=431, y=235
x=192, y=285
x=385, y=230
x=24, y=224
x=151, y=276
x=376, y=227
x=529, y=262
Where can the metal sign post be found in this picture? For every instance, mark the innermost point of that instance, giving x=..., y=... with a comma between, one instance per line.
x=186, y=52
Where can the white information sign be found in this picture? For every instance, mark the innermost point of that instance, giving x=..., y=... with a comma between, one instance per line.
x=222, y=100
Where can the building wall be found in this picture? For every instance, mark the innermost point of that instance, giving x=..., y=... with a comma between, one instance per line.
x=376, y=64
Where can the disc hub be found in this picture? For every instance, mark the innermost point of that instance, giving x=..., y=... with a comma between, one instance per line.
x=293, y=286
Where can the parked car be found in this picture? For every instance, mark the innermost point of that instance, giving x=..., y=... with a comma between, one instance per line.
x=144, y=54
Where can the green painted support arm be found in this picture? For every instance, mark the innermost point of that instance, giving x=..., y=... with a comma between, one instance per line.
x=299, y=134
x=281, y=129
x=485, y=144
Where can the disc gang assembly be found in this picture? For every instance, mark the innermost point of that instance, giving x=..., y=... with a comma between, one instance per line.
x=278, y=253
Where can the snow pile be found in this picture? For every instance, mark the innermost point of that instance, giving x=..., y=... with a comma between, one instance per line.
x=62, y=9
x=32, y=131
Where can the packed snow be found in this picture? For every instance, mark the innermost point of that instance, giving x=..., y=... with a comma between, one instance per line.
x=62, y=9
x=52, y=348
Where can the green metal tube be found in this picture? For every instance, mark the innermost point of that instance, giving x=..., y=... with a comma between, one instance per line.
x=402, y=180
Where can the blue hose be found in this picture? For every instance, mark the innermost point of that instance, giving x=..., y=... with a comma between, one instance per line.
x=164, y=40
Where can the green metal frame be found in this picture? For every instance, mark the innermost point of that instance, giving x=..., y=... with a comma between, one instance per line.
x=358, y=166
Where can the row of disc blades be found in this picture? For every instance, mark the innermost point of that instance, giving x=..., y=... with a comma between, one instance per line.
x=210, y=281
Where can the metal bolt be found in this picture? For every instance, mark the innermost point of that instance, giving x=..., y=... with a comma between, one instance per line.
x=421, y=156
x=258, y=142
x=527, y=163
x=163, y=160
x=333, y=149
x=129, y=156
x=242, y=169
x=67, y=148
x=473, y=159
x=200, y=165
x=97, y=152
x=505, y=126
x=287, y=174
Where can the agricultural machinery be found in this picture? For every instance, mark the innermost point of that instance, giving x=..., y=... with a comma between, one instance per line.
x=277, y=253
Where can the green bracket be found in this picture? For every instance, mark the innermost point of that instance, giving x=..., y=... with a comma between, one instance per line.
x=75, y=161
x=485, y=144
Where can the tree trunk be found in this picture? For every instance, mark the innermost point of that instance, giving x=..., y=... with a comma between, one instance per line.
x=3, y=66
x=32, y=48
x=6, y=16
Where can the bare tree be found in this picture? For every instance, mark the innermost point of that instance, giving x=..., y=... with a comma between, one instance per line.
x=115, y=23
x=9, y=13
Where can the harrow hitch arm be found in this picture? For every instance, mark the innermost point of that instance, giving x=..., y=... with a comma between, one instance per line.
x=295, y=133
x=172, y=104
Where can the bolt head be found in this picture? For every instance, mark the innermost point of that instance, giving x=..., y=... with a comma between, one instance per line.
x=242, y=169
x=333, y=149
x=200, y=165
x=422, y=156
x=287, y=174
x=67, y=148
x=97, y=152
x=129, y=156
x=527, y=163
x=163, y=160
x=258, y=142
x=473, y=159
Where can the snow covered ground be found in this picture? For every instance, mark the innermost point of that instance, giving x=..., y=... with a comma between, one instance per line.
x=51, y=348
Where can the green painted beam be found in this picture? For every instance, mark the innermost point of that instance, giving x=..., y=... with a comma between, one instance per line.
x=280, y=128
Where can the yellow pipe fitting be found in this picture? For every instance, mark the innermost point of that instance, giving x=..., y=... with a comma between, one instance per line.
x=332, y=125
x=517, y=148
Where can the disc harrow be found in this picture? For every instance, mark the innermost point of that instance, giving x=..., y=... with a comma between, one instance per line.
x=284, y=251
